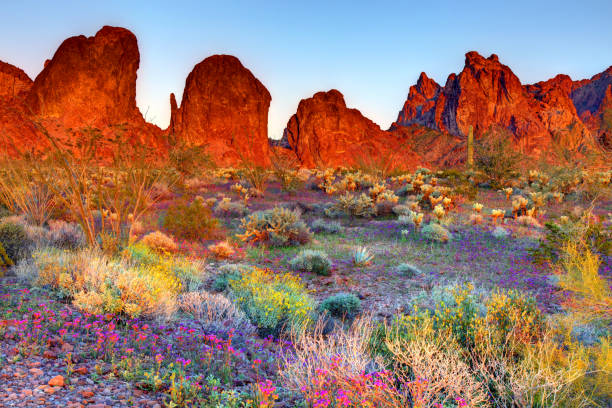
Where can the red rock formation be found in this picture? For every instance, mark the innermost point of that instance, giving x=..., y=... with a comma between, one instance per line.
x=488, y=93
x=225, y=108
x=324, y=132
x=89, y=82
x=14, y=83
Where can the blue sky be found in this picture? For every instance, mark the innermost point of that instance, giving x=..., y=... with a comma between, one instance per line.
x=371, y=51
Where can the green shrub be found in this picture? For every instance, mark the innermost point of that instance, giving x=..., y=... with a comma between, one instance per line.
x=15, y=241
x=227, y=273
x=312, y=261
x=190, y=221
x=342, y=305
x=408, y=270
x=275, y=227
x=593, y=235
x=355, y=205
x=325, y=226
x=496, y=157
x=436, y=232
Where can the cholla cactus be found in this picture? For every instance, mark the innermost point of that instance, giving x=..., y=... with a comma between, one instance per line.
x=477, y=207
x=439, y=212
x=497, y=215
x=508, y=191
x=447, y=202
x=362, y=256
x=519, y=205
x=427, y=189
x=558, y=196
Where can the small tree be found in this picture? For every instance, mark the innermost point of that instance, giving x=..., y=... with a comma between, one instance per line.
x=495, y=156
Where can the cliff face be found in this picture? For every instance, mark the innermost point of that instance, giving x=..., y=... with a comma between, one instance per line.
x=325, y=132
x=487, y=93
x=225, y=108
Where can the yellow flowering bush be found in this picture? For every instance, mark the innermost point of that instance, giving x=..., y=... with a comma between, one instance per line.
x=272, y=301
x=98, y=284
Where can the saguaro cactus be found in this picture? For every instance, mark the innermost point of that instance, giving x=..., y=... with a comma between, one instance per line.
x=470, y=147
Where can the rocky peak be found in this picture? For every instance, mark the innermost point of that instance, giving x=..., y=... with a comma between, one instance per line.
x=14, y=82
x=224, y=107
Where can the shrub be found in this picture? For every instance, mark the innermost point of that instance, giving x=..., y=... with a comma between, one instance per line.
x=500, y=233
x=66, y=235
x=190, y=221
x=496, y=157
x=408, y=270
x=222, y=250
x=227, y=273
x=228, y=208
x=276, y=227
x=583, y=229
x=436, y=232
x=272, y=301
x=514, y=316
x=15, y=241
x=325, y=226
x=312, y=261
x=342, y=305
x=337, y=369
x=581, y=277
x=97, y=284
x=355, y=205
x=160, y=242
x=214, y=312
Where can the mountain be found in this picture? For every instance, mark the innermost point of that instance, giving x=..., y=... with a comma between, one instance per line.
x=224, y=108
x=324, y=132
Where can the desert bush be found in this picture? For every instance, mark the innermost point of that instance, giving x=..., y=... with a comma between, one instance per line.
x=222, y=250
x=285, y=171
x=432, y=368
x=275, y=227
x=66, y=235
x=272, y=302
x=228, y=208
x=227, y=273
x=325, y=226
x=192, y=221
x=15, y=241
x=513, y=316
x=338, y=370
x=408, y=270
x=496, y=157
x=160, y=242
x=583, y=229
x=342, y=305
x=435, y=232
x=24, y=188
x=188, y=160
x=355, y=205
x=214, y=312
x=97, y=284
x=580, y=268
x=313, y=261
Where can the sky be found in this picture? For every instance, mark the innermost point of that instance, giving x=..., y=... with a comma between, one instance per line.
x=372, y=51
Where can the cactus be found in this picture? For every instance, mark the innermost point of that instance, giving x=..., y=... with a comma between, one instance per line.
x=470, y=147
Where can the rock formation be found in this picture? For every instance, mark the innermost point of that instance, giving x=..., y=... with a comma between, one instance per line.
x=488, y=93
x=225, y=108
x=89, y=83
x=324, y=132
x=14, y=83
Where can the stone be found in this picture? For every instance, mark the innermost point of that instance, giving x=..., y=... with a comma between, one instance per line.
x=57, y=381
